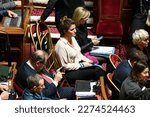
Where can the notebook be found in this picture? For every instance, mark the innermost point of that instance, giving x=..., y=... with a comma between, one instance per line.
x=84, y=88
x=12, y=22
x=103, y=51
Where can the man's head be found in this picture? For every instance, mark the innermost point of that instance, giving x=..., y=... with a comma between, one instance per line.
x=137, y=55
x=39, y=59
x=35, y=83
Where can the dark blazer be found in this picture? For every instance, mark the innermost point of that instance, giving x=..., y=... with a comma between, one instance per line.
x=62, y=8
x=3, y=12
x=122, y=71
x=29, y=95
x=146, y=51
x=82, y=38
x=24, y=71
x=50, y=90
x=133, y=90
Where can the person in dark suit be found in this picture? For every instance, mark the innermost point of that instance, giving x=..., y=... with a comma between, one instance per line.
x=140, y=13
x=62, y=8
x=123, y=70
x=34, y=89
x=133, y=87
x=36, y=64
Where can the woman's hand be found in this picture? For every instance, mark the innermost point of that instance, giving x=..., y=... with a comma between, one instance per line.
x=95, y=41
x=86, y=64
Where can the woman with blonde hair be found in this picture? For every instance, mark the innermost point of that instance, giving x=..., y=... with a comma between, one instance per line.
x=80, y=16
x=140, y=39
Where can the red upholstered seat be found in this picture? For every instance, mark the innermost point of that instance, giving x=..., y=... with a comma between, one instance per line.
x=114, y=60
x=109, y=24
x=108, y=27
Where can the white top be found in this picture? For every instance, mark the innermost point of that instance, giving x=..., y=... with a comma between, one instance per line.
x=69, y=55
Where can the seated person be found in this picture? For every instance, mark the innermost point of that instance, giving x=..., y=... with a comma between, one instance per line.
x=140, y=39
x=123, y=70
x=36, y=64
x=34, y=89
x=133, y=87
x=77, y=66
x=9, y=4
x=4, y=94
x=80, y=16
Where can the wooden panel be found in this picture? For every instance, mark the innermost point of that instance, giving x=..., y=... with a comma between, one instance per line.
x=126, y=20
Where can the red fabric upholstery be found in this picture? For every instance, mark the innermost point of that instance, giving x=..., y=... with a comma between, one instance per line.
x=109, y=18
x=18, y=89
x=39, y=11
x=110, y=75
x=115, y=60
x=107, y=27
x=109, y=8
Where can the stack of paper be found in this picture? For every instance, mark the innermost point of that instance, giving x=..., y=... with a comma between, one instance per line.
x=103, y=51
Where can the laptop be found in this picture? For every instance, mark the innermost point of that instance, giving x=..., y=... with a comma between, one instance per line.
x=12, y=22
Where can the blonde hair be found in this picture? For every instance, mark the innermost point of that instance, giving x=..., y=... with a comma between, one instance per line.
x=139, y=35
x=79, y=13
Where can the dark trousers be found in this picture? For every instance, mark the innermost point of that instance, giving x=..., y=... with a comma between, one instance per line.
x=89, y=73
x=67, y=92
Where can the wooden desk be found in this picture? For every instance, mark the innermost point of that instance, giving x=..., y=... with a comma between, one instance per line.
x=16, y=39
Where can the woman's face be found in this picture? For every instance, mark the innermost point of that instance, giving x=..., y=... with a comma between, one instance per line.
x=83, y=20
x=144, y=43
x=144, y=74
x=72, y=30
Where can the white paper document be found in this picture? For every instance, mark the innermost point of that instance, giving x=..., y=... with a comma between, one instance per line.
x=103, y=51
